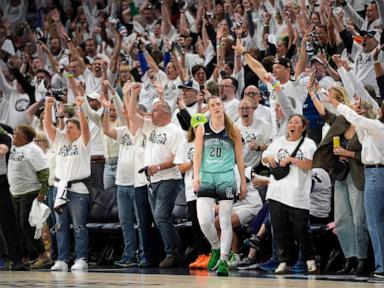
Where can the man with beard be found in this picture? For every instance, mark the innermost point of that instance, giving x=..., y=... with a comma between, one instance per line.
x=228, y=88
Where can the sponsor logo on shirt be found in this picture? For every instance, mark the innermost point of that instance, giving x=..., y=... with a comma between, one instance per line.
x=126, y=140
x=68, y=150
x=158, y=138
x=284, y=153
x=190, y=153
x=16, y=156
x=21, y=105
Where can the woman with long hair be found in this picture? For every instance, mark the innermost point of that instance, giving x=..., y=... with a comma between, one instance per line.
x=351, y=227
x=217, y=148
x=371, y=134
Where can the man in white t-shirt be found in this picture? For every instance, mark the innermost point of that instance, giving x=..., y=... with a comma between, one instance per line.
x=163, y=140
x=262, y=112
x=228, y=87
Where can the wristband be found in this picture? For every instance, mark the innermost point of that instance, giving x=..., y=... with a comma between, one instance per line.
x=158, y=168
x=218, y=46
x=275, y=84
x=376, y=61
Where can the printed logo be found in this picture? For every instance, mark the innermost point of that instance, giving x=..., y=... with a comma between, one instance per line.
x=158, y=138
x=21, y=105
x=68, y=150
x=229, y=193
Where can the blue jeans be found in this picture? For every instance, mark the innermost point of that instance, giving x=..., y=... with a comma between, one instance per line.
x=126, y=208
x=162, y=201
x=52, y=221
x=351, y=226
x=109, y=176
x=374, y=207
x=75, y=211
x=147, y=231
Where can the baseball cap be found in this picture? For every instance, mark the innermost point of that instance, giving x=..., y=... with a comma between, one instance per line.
x=94, y=96
x=317, y=59
x=284, y=61
x=373, y=33
x=198, y=119
x=190, y=84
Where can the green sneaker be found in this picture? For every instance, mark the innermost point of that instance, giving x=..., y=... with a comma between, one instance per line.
x=214, y=259
x=222, y=268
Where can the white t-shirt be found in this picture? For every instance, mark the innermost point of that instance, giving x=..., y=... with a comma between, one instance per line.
x=93, y=83
x=162, y=144
x=260, y=132
x=125, y=172
x=230, y=108
x=294, y=189
x=185, y=154
x=263, y=113
x=364, y=67
x=171, y=92
x=73, y=161
x=23, y=164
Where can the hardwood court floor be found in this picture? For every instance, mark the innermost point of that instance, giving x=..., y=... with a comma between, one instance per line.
x=132, y=278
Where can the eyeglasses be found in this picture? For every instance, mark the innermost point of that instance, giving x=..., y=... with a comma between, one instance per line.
x=252, y=94
x=226, y=86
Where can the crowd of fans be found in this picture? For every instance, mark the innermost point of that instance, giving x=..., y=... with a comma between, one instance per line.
x=102, y=93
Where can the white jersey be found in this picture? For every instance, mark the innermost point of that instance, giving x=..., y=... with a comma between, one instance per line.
x=73, y=161
x=294, y=189
x=185, y=154
x=125, y=165
x=162, y=144
x=24, y=162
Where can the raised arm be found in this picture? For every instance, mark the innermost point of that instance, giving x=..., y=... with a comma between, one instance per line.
x=107, y=129
x=133, y=114
x=116, y=51
x=85, y=133
x=49, y=128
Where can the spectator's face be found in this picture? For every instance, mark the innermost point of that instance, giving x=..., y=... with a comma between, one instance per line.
x=95, y=105
x=278, y=112
x=55, y=46
x=296, y=127
x=246, y=110
x=19, y=138
x=225, y=25
x=40, y=77
x=112, y=113
x=90, y=48
x=125, y=74
x=158, y=113
x=219, y=10
x=28, y=48
x=171, y=71
x=82, y=19
x=125, y=4
x=157, y=30
x=280, y=72
x=149, y=15
x=151, y=74
x=369, y=43
x=189, y=96
x=322, y=35
x=96, y=67
x=200, y=76
x=320, y=70
x=372, y=13
x=254, y=93
x=315, y=19
x=281, y=49
x=227, y=89
x=73, y=132
x=228, y=69
x=239, y=9
x=74, y=68
x=36, y=64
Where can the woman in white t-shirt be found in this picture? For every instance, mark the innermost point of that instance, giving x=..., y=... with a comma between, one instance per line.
x=288, y=197
x=72, y=177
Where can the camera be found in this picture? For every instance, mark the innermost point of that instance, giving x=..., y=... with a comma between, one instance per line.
x=39, y=35
x=178, y=48
x=236, y=24
x=58, y=94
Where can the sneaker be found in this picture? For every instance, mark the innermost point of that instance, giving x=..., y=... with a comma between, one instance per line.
x=170, y=262
x=143, y=263
x=204, y=263
x=270, y=265
x=42, y=263
x=311, y=266
x=282, y=269
x=15, y=266
x=222, y=268
x=247, y=263
x=379, y=275
x=299, y=267
x=80, y=265
x=214, y=259
x=196, y=263
x=234, y=258
x=125, y=263
x=60, y=266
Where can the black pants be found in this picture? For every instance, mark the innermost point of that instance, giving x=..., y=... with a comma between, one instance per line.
x=22, y=205
x=97, y=174
x=7, y=221
x=285, y=219
x=201, y=243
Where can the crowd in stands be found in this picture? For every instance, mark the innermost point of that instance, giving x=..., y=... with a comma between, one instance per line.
x=267, y=114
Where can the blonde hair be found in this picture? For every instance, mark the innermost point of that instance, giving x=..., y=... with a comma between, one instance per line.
x=228, y=124
x=341, y=95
